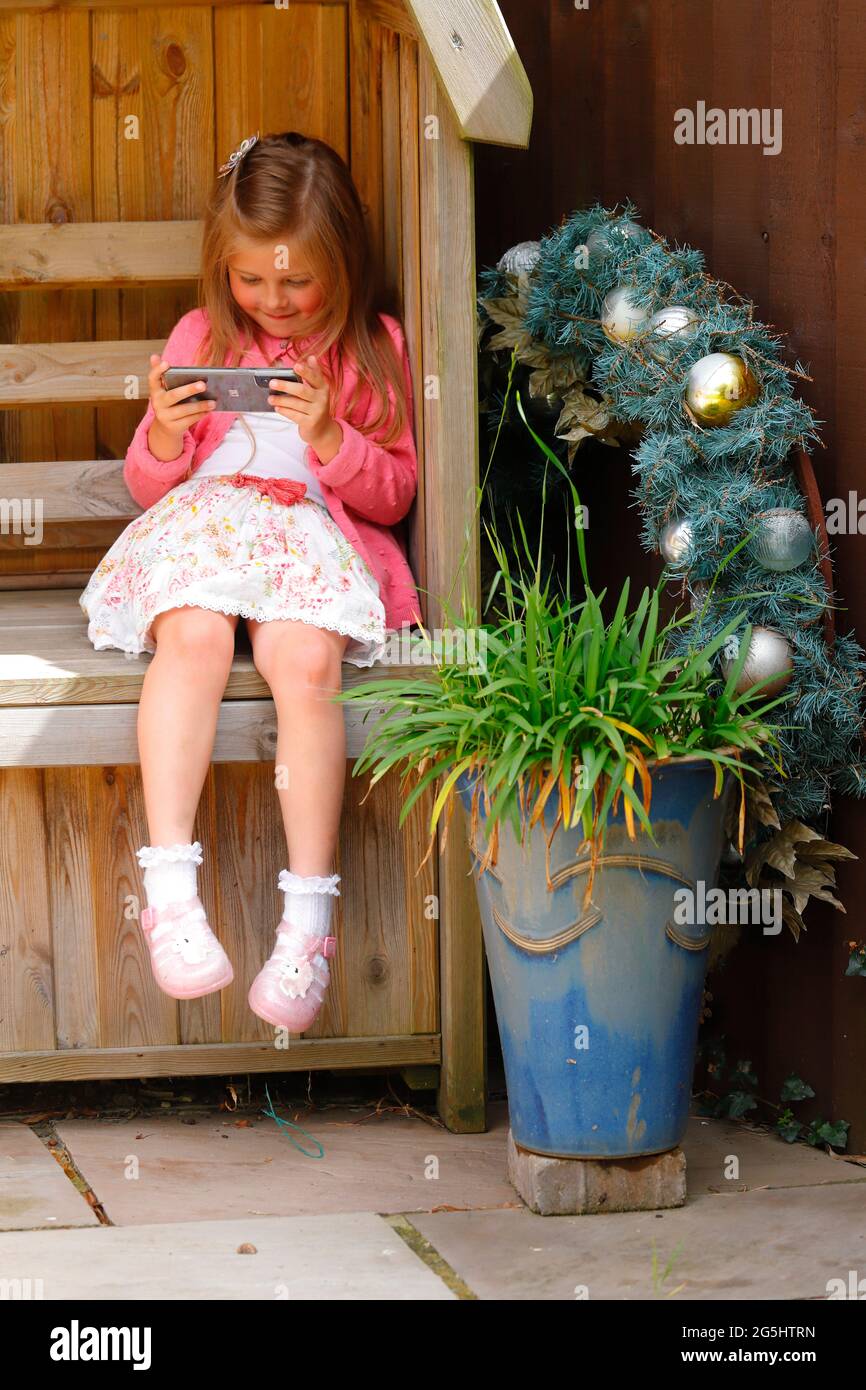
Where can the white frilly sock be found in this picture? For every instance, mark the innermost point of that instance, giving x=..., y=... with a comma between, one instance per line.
x=170, y=872
x=309, y=901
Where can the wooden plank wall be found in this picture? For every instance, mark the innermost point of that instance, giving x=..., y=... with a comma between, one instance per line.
x=787, y=230
x=199, y=79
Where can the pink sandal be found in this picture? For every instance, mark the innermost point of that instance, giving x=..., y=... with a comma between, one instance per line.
x=185, y=956
x=290, y=987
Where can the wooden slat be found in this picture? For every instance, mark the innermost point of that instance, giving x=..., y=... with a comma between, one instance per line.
x=99, y=253
x=101, y=734
x=72, y=490
x=24, y=5
x=366, y=119
x=19, y=544
x=410, y=243
x=451, y=476
x=73, y=866
x=478, y=69
x=218, y=1059
x=390, y=13
x=64, y=579
x=73, y=373
x=51, y=132
x=46, y=658
x=43, y=566
x=451, y=466
x=27, y=965
x=392, y=224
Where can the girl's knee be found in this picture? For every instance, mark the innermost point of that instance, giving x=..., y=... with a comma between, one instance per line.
x=309, y=660
x=196, y=633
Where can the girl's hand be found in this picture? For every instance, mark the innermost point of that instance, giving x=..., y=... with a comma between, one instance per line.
x=171, y=408
x=307, y=402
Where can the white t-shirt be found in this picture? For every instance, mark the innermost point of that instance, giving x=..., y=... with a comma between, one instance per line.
x=280, y=452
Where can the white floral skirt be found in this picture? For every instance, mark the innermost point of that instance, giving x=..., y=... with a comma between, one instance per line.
x=208, y=544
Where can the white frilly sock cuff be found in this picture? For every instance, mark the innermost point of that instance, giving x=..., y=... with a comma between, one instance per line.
x=308, y=903
x=170, y=872
x=150, y=855
x=296, y=883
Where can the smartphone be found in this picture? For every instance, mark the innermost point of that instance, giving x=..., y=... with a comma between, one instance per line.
x=243, y=390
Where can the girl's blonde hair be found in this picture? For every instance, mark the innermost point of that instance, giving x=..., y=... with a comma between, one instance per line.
x=295, y=187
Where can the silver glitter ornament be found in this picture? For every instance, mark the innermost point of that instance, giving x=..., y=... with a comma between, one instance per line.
x=520, y=259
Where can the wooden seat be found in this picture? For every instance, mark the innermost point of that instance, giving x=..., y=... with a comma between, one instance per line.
x=47, y=659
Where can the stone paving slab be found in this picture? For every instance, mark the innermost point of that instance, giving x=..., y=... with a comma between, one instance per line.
x=34, y=1190
x=782, y=1244
x=216, y=1169
x=764, y=1160
x=354, y=1255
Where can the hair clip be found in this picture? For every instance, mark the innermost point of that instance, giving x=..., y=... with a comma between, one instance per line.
x=238, y=154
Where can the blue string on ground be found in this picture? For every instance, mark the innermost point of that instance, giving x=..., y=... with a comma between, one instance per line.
x=288, y=1124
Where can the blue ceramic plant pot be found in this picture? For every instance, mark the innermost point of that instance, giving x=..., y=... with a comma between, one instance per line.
x=598, y=1007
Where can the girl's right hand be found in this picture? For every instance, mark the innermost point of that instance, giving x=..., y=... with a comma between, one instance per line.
x=171, y=408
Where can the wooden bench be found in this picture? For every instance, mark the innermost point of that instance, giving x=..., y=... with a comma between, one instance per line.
x=76, y=993
x=401, y=89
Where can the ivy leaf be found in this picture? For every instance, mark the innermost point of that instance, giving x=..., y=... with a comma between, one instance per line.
x=794, y=1088
x=787, y=1127
x=856, y=960
x=827, y=1132
x=743, y=1077
x=735, y=1104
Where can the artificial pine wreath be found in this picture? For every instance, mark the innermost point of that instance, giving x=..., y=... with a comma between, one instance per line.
x=630, y=342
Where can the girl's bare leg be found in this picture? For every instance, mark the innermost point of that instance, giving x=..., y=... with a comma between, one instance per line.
x=177, y=715
x=302, y=665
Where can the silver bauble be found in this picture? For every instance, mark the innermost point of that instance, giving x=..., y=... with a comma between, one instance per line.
x=675, y=540
x=520, y=259
x=783, y=541
x=672, y=326
x=603, y=241
x=621, y=317
x=769, y=655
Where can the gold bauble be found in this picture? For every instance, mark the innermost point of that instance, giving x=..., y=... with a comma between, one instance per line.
x=718, y=386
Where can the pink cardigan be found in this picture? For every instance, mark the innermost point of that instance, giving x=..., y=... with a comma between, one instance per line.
x=367, y=488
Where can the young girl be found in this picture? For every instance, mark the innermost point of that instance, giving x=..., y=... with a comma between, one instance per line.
x=300, y=547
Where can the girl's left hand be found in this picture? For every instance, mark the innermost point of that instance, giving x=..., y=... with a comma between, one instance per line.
x=308, y=403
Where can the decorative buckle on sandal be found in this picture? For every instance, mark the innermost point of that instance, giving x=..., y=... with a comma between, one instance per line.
x=329, y=946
